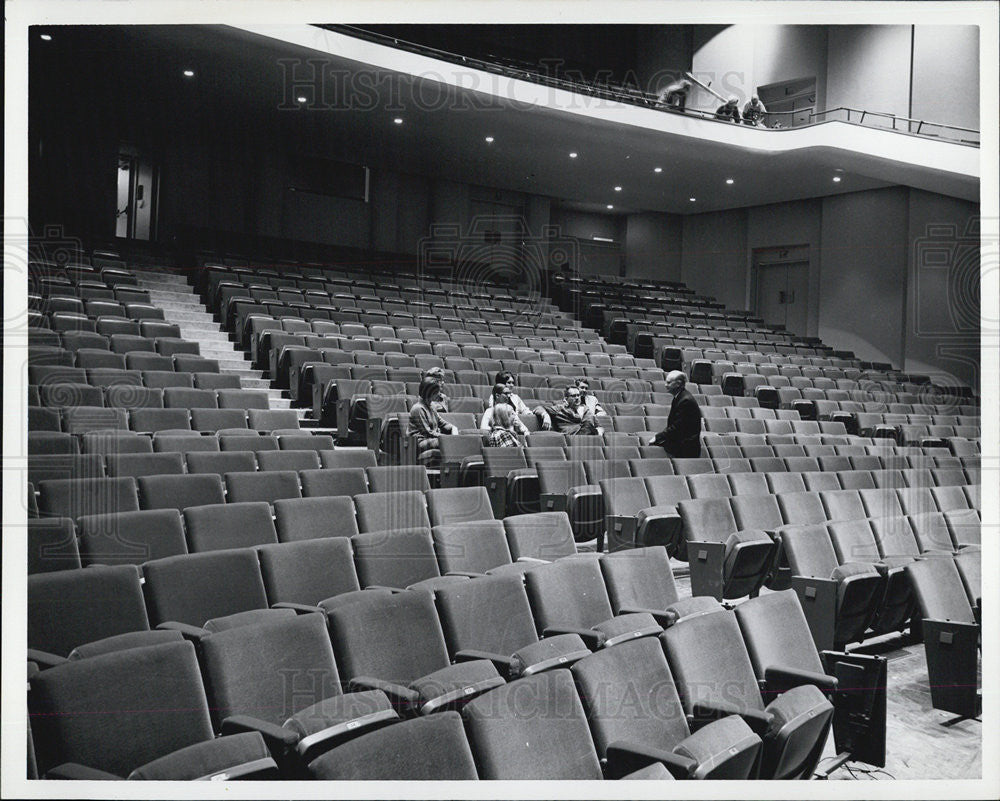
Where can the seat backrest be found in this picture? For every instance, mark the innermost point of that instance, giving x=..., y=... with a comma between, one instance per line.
x=308, y=571
x=624, y=496
x=810, y=551
x=74, y=497
x=428, y=748
x=639, y=578
x=707, y=520
x=228, y=525
x=85, y=711
x=801, y=508
x=52, y=545
x=395, y=558
x=195, y=588
x=970, y=567
x=401, y=478
x=894, y=536
x=939, y=590
x=843, y=504
x=144, y=464
x=569, y=592
x=667, y=490
x=629, y=695
x=542, y=535
x=776, y=633
x=384, y=511
x=709, y=661
x=68, y=608
x=269, y=486
x=931, y=532
x=458, y=505
x=348, y=458
x=757, y=512
x=854, y=541
x=471, y=547
x=516, y=739
x=179, y=492
x=709, y=485
x=489, y=614
x=241, y=675
x=288, y=460
x=131, y=537
x=368, y=631
x=336, y=481
x=315, y=518
x=219, y=462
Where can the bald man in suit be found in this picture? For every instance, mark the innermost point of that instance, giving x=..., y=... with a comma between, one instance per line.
x=682, y=436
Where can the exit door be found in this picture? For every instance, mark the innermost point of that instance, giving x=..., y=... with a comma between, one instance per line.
x=782, y=291
x=138, y=189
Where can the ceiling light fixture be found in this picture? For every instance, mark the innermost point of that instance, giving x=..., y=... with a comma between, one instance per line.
x=618, y=189
x=692, y=199
x=489, y=140
x=602, y=238
x=45, y=37
x=188, y=73
x=572, y=155
x=398, y=120
x=610, y=206
x=302, y=99
x=836, y=179
x=729, y=181
x=657, y=169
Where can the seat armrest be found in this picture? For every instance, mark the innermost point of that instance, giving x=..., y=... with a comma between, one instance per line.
x=592, y=639
x=706, y=711
x=301, y=609
x=532, y=560
x=503, y=664
x=628, y=757
x=74, y=771
x=189, y=632
x=778, y=679
x=44, y=658
x=665, y=617
x=279, y=740
x=403, y=699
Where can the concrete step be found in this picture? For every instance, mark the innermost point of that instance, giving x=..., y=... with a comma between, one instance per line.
x=193, y=316
x=162, y=281
x=244, y=373
x=255, y=383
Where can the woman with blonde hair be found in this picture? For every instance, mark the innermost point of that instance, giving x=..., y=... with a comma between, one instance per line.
x=503, y=433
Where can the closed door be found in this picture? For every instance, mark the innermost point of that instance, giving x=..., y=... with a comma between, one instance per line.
x=782, y=291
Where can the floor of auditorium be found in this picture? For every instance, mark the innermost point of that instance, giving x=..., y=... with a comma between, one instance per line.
x=921, y=742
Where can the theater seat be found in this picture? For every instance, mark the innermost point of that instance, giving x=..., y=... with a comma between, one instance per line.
x=216, y=527
x=636, y=717
x=715, y=677
x=140, y=713
x=246, y=692
x=544, y=536
x=399, y=558
x=569, y=597
x=431, y=749
x=366, y=633
x=490, y=618
x=306, y=572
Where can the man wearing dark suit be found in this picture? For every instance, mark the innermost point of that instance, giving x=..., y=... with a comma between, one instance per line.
x=681, y=437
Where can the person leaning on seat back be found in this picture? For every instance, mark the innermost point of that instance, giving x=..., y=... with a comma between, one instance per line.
x=513, y=399
x=426, y=424
x=571, y=415
x=503, y=427
x=682, y=436
x=730, y=110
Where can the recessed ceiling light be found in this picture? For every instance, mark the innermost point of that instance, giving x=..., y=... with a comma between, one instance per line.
x=692, y=199
x=610, y=206
x=572, y=155
x=657, y=169
x=45, y=37
x=618, y=189
x=398, y=120
x=188, y=73
x=729, y=181
x=489, y=140
x=302, y=99
x=836, y=179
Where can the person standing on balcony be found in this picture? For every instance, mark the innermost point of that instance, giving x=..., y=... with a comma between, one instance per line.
x=674, y=97
x=753, y=112
x=730, y=110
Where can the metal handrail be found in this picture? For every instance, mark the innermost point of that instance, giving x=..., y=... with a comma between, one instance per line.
x=625, y=94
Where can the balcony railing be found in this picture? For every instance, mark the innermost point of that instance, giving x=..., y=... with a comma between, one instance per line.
x=622, y=93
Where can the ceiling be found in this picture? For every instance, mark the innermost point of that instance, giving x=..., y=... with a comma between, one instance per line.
x=444, y=134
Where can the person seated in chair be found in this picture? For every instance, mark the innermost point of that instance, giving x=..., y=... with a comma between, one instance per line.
x=588, y=397
x=502, y=396
x=437, y=373
x=571, y=415
x=426, y=424
x=682, y=436
x=503, y=427
x=513, y=399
